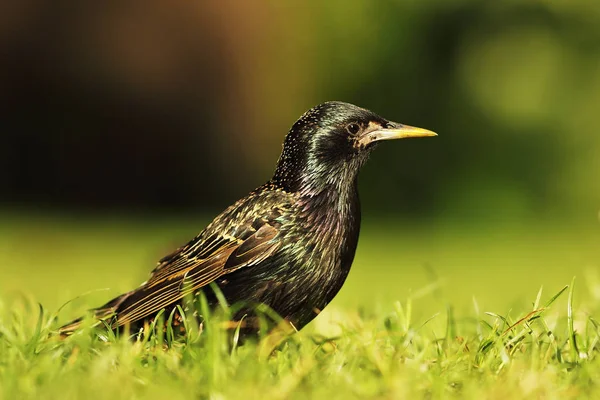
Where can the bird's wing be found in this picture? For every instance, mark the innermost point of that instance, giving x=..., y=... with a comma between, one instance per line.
x=197, y=264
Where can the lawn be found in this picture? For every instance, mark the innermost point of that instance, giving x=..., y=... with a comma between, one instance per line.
x=429, y=311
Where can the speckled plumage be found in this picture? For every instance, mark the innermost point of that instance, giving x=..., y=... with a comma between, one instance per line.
x=289, y=244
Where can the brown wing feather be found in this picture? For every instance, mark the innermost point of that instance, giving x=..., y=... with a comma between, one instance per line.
x=178, y=263
x=254, y=249
x=193, y=268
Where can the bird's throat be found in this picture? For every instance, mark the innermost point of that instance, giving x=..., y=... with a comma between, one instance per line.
x=331, y=210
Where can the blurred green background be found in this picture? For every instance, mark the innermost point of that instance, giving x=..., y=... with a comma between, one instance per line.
x=127, y=127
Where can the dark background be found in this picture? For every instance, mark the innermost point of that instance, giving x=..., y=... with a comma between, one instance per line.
x=182, y=106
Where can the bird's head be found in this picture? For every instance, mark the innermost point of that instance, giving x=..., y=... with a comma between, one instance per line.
x=329, y=143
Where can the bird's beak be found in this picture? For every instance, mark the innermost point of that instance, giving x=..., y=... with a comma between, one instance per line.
x=394, y=131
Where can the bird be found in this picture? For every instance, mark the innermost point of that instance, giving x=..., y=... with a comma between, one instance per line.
x=288, y=245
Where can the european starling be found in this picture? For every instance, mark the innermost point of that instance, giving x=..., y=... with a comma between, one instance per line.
x=290, y=243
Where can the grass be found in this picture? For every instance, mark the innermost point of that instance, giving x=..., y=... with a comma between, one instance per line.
x=409, y=323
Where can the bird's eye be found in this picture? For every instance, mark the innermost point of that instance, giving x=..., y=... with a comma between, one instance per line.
x=353, y=128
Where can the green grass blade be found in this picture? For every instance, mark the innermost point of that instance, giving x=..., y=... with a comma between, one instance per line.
x=556, y=296
x=572, y=334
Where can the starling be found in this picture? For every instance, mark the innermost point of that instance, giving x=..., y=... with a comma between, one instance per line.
x=289, y=244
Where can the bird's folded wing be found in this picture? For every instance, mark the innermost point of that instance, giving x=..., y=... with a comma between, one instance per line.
x=195, y=266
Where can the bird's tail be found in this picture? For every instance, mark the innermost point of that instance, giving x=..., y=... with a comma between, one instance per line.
x=99, y=314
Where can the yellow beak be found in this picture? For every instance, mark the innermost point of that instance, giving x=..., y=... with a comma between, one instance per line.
x=396, y=131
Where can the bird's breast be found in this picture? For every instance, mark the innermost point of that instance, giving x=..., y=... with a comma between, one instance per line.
x=328, y=242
